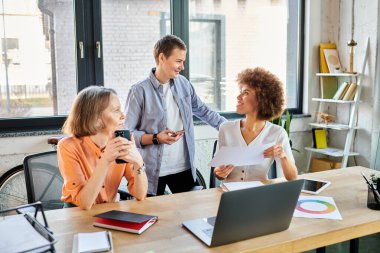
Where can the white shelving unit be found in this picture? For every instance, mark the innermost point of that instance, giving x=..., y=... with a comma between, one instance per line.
x=351, y=127
x=334, y=101
x=335, y=152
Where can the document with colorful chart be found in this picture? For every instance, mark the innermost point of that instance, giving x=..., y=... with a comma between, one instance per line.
x=317, y=207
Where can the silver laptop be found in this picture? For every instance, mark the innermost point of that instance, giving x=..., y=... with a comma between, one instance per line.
x=249, y=213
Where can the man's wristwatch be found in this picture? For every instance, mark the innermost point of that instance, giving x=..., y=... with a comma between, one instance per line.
x=155, y=139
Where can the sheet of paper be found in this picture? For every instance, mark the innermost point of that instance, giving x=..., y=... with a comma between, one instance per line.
x=93, y=242
x=239, y=156
x=233, y=186
x=17, y=235
x=317, y=207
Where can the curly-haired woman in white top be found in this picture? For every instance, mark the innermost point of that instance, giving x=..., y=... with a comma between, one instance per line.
x=261, y=99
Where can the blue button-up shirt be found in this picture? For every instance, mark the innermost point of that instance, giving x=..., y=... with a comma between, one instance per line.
x=146, y=114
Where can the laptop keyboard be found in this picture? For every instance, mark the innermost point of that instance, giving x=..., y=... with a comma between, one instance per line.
x=211, y=220
x=208, y=231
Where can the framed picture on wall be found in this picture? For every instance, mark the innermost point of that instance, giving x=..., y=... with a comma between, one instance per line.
x=322, y=61
x=332, y=60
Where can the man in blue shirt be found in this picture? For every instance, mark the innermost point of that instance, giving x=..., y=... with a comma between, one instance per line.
x=160, y=112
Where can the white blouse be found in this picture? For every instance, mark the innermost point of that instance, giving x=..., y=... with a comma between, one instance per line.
x=230, y=135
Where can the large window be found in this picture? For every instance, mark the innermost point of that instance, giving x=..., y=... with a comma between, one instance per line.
x=207, y=58
x=37, y=69
x=229, y=36
x=129, y=30
x=52, y=49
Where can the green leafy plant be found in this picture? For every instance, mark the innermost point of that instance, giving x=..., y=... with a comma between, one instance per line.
x=374, y=179
x=286, y=125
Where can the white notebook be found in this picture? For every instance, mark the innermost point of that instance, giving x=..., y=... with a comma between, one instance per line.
x=92, y=242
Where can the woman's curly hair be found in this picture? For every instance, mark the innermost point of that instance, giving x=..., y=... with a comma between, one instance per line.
x=269, y=91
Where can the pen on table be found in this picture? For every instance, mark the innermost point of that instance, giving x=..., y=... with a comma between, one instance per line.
x=109, y=237
x=375, y=192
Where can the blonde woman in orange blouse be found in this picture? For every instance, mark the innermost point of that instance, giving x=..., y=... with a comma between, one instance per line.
x=87, y=157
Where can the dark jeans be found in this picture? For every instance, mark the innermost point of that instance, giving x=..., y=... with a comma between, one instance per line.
x=68, y=205
x=180, y=182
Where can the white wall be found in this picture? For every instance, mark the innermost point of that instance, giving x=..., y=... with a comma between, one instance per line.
x=14, y=149
x=375, y=161
x=330, y=21
x=366, y=15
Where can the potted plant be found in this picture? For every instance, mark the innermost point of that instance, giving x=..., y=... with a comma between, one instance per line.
x=375, y=180
x=286, y=125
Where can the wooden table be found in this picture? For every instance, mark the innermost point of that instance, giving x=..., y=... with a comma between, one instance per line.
x=347, y=188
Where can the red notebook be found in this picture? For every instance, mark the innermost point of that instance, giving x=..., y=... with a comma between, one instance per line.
x=125, y=221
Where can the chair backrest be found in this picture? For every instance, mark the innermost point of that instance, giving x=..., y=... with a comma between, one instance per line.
x=200, y=181
x=43, y=179
x=212, y=175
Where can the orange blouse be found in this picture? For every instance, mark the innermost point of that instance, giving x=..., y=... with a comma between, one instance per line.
x=77, y=159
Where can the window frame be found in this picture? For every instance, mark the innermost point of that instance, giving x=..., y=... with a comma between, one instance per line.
x=90, y=69
x=300, y=65
x=300, y=58
x=219, y=22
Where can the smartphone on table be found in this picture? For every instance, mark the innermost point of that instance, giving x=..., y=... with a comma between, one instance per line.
x=125, y=134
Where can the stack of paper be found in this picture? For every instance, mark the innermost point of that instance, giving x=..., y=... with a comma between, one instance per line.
x=18, y=235
x=233, y=186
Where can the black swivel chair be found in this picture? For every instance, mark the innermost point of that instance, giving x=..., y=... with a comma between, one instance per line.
x=43, y=179
x=200, y=183
x=213, y=180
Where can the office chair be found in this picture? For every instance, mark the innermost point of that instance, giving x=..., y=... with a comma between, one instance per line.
x=200, y=183
x=213, y=180
x=43, y=179
x=272, y=173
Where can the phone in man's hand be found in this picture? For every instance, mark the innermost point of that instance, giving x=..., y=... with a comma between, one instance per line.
x=177, y=133
x=125, y=134
x=180, y=132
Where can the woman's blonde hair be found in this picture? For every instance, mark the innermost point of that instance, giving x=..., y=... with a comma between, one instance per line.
x=87, y=108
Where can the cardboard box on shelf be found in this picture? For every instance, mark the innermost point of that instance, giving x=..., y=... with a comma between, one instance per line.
x=321, y=164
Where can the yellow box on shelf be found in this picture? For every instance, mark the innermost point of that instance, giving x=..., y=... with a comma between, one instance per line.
x=319, y=138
